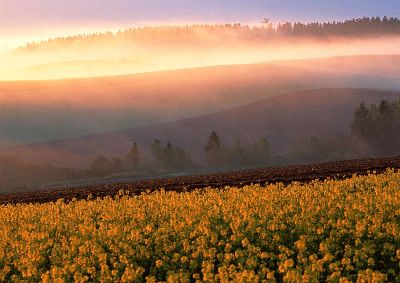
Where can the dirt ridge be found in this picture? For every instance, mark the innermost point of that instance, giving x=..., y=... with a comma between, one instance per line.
x=298, y=173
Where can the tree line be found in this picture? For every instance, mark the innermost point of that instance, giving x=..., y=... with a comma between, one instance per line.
x=365, y=26
x=379, y=126
x=354, y=27
x=374, y=131
x=171, y=158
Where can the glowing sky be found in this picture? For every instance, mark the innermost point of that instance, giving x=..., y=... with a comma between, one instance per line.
x=22, y=20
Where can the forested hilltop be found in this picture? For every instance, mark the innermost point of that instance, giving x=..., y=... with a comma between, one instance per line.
x=264, y=32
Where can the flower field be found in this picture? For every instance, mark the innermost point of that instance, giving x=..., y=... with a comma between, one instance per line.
x=337, y=231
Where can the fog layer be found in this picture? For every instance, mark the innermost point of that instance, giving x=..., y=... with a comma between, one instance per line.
x=169, y=48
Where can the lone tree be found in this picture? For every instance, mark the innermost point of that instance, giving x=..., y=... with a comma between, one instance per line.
x=213, y=150
x=133, y=157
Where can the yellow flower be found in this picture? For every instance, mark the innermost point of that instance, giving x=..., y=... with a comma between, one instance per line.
x=159, y=263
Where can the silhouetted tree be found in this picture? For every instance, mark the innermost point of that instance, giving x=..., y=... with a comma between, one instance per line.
x=133, y=157
x=157, y=149
x=170, y=157
x=213, y=150
x=151, y=36
x=361, y=120
x=379, y=126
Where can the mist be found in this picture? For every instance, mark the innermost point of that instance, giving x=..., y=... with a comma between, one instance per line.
x=169, y=48
x=72, y=107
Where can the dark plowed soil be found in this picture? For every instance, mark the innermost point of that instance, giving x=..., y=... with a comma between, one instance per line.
x=303, y=173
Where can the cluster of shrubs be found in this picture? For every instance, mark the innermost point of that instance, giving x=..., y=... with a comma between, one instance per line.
x=171, y=158
x=374, y=132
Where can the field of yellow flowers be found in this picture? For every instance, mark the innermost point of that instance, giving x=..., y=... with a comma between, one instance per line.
x=338, y=231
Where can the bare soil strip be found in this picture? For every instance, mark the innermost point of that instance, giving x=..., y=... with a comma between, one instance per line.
x=301, y=173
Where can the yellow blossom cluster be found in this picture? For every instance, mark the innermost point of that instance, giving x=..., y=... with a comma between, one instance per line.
x=332, y=230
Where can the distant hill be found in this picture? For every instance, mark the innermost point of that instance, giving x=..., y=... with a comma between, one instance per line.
x=41, y=111
x=283, y=119
x=206, y=34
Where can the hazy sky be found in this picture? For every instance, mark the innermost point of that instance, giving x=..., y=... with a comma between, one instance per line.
x=28, y=19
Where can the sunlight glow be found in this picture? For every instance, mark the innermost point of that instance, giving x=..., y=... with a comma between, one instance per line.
x=110, y=56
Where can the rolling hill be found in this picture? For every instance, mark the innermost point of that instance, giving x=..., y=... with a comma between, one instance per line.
x=283, y=119
x=42, y=111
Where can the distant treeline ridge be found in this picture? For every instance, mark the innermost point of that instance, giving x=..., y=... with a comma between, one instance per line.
x=366, y=26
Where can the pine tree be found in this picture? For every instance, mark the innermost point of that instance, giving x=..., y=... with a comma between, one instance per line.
x=213, y=150
x=133, y=157
x=361, y=120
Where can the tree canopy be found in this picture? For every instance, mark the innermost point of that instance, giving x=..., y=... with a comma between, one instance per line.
x=379, y=126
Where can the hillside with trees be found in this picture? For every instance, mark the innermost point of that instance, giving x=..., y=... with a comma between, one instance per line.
x=374, y=131
x=287, y=121
x=202, y=34
x=379, y=126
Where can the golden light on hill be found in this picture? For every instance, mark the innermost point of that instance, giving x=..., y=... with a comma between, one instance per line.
x=162, y=49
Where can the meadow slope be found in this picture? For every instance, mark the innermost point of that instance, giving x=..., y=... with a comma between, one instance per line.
x=40, y=111
x=284, y=120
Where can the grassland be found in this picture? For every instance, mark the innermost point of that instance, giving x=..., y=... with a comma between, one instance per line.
x=335, y=231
